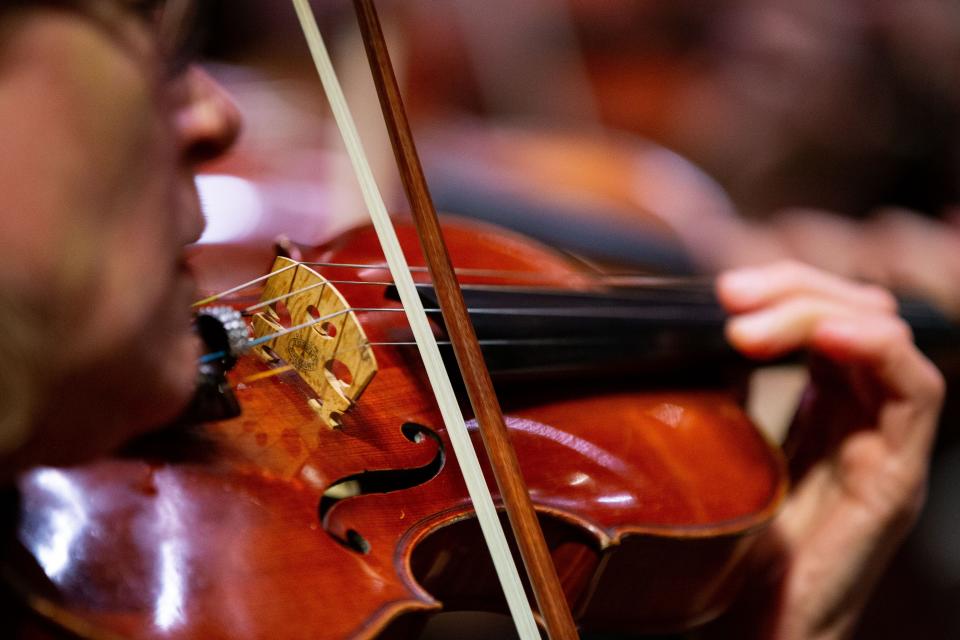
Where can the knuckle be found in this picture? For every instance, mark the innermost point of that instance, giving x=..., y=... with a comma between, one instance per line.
x=896, y=495
x=934, y=383
x=906, y=512
x=895, y=332
x=884, y=297
x=903, y=489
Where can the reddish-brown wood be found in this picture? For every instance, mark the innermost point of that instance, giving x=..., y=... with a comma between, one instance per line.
x=649, y=500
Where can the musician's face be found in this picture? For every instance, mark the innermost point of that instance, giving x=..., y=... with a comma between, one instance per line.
x=99, y=141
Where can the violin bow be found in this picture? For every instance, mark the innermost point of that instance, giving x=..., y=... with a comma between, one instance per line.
x=546, y=586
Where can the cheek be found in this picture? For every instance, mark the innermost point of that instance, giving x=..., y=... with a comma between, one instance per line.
x=127, y=289
x=136, y=235
x=108, y=187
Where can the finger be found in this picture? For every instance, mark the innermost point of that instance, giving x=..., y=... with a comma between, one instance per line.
x=748, y=289
x=883, y=347
x=783, y=327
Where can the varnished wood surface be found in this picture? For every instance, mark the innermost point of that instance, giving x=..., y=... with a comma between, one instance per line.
x=649, y=499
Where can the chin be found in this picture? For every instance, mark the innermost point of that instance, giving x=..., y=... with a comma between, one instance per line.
x=178, y=383
x=111, y=403
x=161, y=395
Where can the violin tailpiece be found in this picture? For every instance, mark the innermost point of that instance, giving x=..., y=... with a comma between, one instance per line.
x=332, y=356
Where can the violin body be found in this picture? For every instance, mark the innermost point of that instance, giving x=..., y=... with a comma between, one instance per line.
x=649, y=499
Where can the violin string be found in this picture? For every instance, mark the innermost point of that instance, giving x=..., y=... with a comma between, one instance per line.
x=639, y=281
x=348, y=265
x=505, y=342
x=526, y=342
x=241, y=287
x=690, y=287
x=619, y=279
x=613, y=313
x=660, y=312
x=464, y=271
x=501, y=342
x=304, y=325
x=272, y=301
x=276, y=371
x=315, y=285
x=255, y=342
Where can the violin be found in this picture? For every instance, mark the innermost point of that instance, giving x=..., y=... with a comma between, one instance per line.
x=259, y=525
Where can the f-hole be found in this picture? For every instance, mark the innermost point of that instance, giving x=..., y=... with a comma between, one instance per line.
x=386, y=481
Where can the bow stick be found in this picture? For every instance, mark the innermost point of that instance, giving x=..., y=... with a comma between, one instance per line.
x=503, y=459
x=543, y=577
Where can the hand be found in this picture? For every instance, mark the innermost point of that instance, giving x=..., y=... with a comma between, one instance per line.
x=859, y=448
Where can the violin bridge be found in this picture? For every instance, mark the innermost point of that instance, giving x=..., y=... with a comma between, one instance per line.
x=332, y=355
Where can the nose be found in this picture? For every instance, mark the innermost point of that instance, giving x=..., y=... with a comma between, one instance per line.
x=207, y=121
